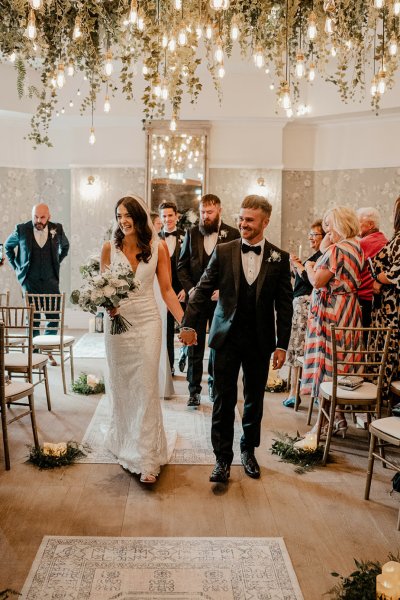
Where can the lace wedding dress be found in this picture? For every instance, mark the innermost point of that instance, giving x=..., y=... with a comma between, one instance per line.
x=136, y=435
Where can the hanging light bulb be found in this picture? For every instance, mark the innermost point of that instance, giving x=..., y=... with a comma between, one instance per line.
x=108, y=65
x=178, y=4
x=145, y=70
x=107, y=104
x=333, y=51
x=221, y=70
x=234, y=29
x=285, y=96
x=60, y=76
x=182, y=35
x=199, y=31
x=36, y=4
x=70, y=68
x=219, y=53
x=289, y=112
x=381, y=82
x=219, y=4
x=311, y=72
x=76, y=34
x=300, y=68
x=12, y=56
x=329, y=27
x=378, y=4
x=258, y=57
x=396, y=8
x=31, y=29
x=164, y=40
x=140, y=19
x=78, y=93
x=53, y=80
x=374, y=86
x=133, y=12
x=312, y=26
x=209, y=31
x=172, y=44
x=92, y=137
x=172, y=124
x=157, y=87
x=393, y=45
x=164, y=90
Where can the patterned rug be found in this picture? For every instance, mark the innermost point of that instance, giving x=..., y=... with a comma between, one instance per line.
x=90, y=345
x=191, y=427
x=108, y=568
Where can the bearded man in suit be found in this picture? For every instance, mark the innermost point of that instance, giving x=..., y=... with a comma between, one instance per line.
x=252, y=320
x=196, y=251
x=35, y=251
x=173, y=237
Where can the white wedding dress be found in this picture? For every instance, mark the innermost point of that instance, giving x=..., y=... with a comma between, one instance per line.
x=136, y=435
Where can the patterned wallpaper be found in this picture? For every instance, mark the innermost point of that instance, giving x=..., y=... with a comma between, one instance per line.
x=306, y=196
x=86, y=211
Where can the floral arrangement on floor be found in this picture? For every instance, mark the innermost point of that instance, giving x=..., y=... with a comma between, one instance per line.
x=4, y=594
x=275, y=383
x=298, y=450
x=51, y=456
x=107, y=290
x=361, y=583
x=88, y=384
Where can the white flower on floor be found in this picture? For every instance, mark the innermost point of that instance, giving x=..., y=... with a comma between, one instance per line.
x=54, y=449
x=92, y=380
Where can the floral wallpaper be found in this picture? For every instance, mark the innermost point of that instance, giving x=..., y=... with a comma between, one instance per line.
x=306, y=196
x=20, y=189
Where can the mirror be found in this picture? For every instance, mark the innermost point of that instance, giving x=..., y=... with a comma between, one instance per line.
x=177, y=164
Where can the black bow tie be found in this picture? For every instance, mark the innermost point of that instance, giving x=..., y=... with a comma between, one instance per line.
x=247, y=248
x=168, y=233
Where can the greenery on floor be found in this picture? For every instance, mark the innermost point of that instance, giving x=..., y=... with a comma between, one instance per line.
x=51, y=456
x=361, y=583
x=88, y=384
x=4, y=594
x=305, y=459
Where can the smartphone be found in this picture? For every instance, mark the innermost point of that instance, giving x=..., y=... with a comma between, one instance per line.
x=371, y=268
x=1, y=254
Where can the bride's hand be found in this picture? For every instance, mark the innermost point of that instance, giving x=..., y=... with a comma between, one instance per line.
x=112, y=312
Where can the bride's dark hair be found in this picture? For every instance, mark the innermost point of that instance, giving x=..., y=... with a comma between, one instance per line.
x=140, y=222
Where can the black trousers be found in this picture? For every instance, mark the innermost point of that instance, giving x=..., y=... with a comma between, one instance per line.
x=366, y=310
x=196, y=353
x=171, y=337
x=240, y=350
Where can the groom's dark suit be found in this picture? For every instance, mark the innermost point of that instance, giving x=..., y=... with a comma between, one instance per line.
x=250, y=322
x=192, y=262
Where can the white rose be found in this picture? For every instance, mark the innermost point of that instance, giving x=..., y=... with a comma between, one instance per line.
x=98, y=280
x=109, y=291
x=96, y=295
x=117, y=282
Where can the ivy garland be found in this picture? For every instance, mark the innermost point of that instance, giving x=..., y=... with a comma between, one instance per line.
x=360, y=39
x=306, y=460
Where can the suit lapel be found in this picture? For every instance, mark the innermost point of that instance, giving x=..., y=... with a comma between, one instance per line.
x=263, y=269
x=236, y=263
x=29, y=239
x=200, y=247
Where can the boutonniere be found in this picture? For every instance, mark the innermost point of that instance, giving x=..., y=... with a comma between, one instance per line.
x=274, y=256
x=53, y=232
x=181, y=238
x=222, y=234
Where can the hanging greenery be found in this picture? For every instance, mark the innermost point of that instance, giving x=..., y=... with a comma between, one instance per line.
x=349, y=43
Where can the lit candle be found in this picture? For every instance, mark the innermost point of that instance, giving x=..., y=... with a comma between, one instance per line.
x=92, y=325
x=387, y=586
x=300, y=251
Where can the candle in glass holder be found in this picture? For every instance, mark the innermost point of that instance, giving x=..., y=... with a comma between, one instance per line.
x=388, y=586
x=299, y=253
x=92, y=325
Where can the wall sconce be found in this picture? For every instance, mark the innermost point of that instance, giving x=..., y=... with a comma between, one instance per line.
x=261, y=181
x=90, y=180
x=90, y=188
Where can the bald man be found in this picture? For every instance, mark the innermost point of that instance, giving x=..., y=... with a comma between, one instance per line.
x=35, y=250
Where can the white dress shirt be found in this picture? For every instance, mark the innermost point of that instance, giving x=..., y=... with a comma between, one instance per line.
x=210, y=241
x=251, y=262
x=41, y=236
x=171, y=242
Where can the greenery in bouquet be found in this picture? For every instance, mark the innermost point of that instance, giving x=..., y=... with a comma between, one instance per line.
x=106, y=290
x=88, y=384
x=91, y=267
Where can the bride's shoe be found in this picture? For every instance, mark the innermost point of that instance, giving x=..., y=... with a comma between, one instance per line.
x=148, y=478
x=339, y=427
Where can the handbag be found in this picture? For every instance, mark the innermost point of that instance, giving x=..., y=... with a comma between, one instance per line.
x=349, y=382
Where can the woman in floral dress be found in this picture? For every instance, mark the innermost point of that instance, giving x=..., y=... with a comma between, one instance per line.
x=387, y=284
x=335, y=277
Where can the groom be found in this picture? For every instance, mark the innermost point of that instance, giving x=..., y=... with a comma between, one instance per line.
x=252, y=320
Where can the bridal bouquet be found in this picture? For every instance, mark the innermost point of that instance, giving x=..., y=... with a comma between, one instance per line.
x=106, y=290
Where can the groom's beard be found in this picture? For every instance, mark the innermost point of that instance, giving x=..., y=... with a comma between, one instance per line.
x=209, y=227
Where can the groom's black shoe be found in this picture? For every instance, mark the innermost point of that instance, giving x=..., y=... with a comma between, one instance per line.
x=194, y=400
x=221, y=472
x=250, y=464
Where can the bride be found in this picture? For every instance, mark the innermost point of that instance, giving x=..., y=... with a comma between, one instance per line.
x=136, y=435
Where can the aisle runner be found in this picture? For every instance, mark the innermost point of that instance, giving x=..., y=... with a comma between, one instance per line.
x=105, y=568
x=90, y=345
x=193, y=427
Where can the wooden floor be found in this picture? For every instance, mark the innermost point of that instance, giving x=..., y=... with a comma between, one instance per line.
x=321, y=515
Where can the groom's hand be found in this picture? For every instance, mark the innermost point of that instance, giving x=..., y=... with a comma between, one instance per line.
x=188, y=337
x=278, y=358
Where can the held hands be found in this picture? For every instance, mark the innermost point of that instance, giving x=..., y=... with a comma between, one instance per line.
x=215, y=295
x=376, y=287
x=187, y=336
x=278, y=358
x=181, y=296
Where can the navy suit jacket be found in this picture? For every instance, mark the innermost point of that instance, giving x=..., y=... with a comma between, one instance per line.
x=18, y=248
x=274, y=296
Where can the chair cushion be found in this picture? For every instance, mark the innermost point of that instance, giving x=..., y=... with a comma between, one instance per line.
x=388, y=425
x=299, y=361
x=20, y=360
x=395, y=387
x=51, y=341
x=18, y=387
x=366, y=391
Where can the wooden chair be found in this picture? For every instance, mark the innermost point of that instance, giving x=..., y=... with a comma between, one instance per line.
x=300, y=365
x=5, y=298
x=351, y=357
x=383, y=432
x=10, y=395
x=19, y=360
x=394, y=394
x=49, y=316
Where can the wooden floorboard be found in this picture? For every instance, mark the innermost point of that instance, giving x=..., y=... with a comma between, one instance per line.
x=321, y=515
